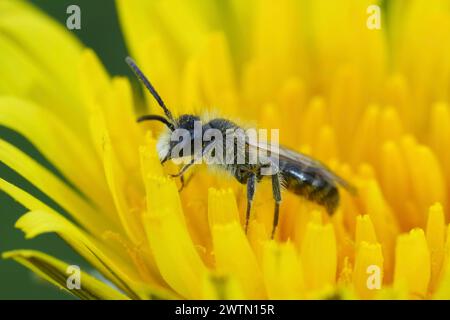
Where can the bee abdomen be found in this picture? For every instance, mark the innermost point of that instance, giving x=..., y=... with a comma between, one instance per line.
x=312, y=186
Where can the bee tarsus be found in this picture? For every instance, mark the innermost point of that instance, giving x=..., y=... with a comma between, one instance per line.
x=251, y=186
x=276, y=190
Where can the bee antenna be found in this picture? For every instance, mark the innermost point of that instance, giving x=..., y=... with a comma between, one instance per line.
x=155, y=117
x=149, y=86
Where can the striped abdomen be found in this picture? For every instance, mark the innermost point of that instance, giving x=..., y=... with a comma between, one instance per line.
x=310, y=184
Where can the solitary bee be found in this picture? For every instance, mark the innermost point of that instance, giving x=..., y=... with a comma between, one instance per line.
x=294, y=171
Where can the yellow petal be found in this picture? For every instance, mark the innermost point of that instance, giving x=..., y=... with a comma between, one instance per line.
x=319, y=269
x=282, y=271
x=440, y=136
x=149, y=158
x=222, y=207
x=364, y=230
x=383, y=221
x=113, y=264
x=159, y=65
x=186, y=25
x=44, y=180
x=392, y=158
x=235, y=256
x=118, y=183
x=435, y=234
x=112, y=100
x=179, y=263
x=443, y=289
x=292, y=102
x=315, y=117
x=53, y=81
x=217, y=74
x=55, y=271
x=326, y=147
x=368, y=272
x=366, y=135
x=390, y=125
x=274, y=52
x=232, y=251
x=427, y=182
x=219, y=287
x=412, y=263
x=50, y=136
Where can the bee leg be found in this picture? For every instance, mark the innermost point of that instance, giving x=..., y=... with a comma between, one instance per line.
x=276, y=190
x=183, y=169
x=251, y=186
x=184, y=182
x=195, y=158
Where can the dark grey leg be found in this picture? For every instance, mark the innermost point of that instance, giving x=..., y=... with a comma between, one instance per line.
x=206, y=149
x=276, y=189
x=183, y=169
x=251, y=186
x=184, y=183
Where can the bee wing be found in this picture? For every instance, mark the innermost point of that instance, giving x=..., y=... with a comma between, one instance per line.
x=305, y=161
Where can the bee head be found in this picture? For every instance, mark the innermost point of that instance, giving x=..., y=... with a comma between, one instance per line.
x=182, y=135
x=184, y=123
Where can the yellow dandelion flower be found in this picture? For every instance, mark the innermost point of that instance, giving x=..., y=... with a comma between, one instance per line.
x=372, y=103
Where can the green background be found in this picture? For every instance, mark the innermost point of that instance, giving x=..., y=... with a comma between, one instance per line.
x=100, y=30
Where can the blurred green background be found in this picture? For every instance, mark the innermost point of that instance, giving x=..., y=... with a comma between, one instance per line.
x=100, y=30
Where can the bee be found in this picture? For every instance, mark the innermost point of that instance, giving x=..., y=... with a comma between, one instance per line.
x=293, y=171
